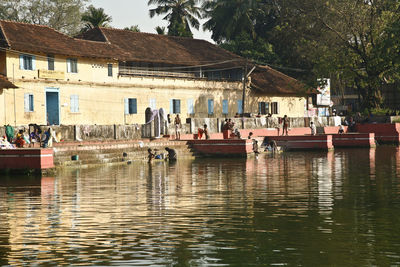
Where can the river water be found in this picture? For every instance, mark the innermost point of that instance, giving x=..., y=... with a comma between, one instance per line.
x=338, y=208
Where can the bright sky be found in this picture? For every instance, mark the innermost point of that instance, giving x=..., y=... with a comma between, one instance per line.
x=126, y=13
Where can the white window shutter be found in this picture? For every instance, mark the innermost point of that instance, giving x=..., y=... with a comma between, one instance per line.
x=68, y=65
x=21, y=62
x=76, y=103
x=171, y=106
x=33, y=63
x=126, y=104
x=26, y=102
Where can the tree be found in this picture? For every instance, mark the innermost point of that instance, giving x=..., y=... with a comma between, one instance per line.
x=357, y=40
x=228, y=19
x=181, y=15
x=95, y=17
x=160, y=30
x=61, y=15
x=134, y=28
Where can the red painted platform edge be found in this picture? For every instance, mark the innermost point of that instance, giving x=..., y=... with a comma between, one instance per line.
x=30, y=158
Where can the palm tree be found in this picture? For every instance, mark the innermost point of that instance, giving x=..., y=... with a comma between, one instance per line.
x=228, y=19
x=181, y=15
x=95, y=17
x=133, y=28
x=160, y=30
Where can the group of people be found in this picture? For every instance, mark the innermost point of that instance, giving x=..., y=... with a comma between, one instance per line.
x=228, y=131
x=23, y=138
x=153, y=154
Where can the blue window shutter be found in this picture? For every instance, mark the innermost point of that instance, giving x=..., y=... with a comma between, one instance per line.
x=126, y=104
x=240, y=106
x=267, y=107
x=134, y=106
x=26, y=102
x=210, y=106
x=260, y=107
x=171, y=106
x=225, y=106
x=33, y=63
x=21, y=62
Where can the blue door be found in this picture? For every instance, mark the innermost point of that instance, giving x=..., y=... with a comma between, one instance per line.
x=52, y=107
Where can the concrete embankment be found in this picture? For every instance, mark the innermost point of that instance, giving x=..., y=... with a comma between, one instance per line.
x=84, y=154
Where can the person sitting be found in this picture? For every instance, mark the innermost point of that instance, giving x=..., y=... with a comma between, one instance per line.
x=171, y=153
x=237, y=134
x=258, y=115
x=313, y=128
x=341, y=129
x=20, y=141
x=237, y=115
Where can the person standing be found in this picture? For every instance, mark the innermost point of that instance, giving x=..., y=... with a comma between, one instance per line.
x=205, y=132
x=313, y=128
x=178, y=126
x=285, y=122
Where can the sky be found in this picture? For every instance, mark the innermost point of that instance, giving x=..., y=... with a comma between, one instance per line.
x=126, y=13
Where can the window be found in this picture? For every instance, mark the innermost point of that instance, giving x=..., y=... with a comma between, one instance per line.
x=175, y=106
x=225, y=106
x=74, y=103
x=27, y=62
x=50, y=62
x=274, y=108
x=263, y=108
x=28, y=102
x=240, y=106
x=130, y=106
x=153, y=104
x=190, y=106
x=210, y=106
x=110, y=70
x=72, y=65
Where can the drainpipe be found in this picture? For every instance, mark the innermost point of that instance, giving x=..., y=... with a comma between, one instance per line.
x=15, y=103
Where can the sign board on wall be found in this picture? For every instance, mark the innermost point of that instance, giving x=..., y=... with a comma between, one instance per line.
x=51, y=74
x=324, y=96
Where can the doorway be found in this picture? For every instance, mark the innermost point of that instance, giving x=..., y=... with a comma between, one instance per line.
x=52, y=106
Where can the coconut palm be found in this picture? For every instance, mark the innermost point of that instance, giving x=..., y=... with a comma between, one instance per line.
x=181, y=15
x=95, y=17
x=228, y=19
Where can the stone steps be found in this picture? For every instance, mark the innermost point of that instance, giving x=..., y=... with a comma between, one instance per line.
x=104, y=154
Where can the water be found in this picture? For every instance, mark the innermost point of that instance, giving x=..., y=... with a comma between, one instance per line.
x=337, y=208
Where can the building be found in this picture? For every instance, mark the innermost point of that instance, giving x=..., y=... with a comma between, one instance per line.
x=110, y=76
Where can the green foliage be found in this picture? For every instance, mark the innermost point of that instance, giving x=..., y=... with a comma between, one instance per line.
x=133, y=28
x=62, y=15
x=181, y=15
x=95, y=17
x=160, y=30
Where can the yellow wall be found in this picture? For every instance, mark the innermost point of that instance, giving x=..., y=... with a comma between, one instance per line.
x=101, y=98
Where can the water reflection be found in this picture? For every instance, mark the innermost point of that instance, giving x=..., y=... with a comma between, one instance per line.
x=303, y=208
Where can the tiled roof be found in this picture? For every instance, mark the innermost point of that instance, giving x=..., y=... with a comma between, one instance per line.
x=5, y=83
x=114, y=44
x=269, y=81
x=42, y=39
x=148, y=47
